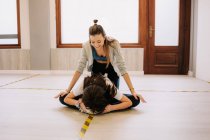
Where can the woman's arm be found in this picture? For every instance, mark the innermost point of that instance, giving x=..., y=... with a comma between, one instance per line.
x=129, y=83
x=71, y=85
x=125, y=103
x=132, y=90
x=121, y=66
x=119, y=58
x=73, y=81
x=81, y=65
x=77, y=74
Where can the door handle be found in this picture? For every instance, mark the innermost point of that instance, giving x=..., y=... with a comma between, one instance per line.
x=151, y=31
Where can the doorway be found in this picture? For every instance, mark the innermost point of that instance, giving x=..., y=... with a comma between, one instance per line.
x=168, y=40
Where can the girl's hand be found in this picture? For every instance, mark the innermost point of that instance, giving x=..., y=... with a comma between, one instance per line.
x=82, y=106
x=62, y=93
x=107, y=109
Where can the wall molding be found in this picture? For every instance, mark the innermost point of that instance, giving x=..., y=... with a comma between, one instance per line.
x=14, y=59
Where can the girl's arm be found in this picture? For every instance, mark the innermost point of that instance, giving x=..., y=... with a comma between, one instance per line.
x=125, y=103
x=69, y=99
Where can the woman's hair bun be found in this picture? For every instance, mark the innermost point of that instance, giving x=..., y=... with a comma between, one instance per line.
x=95, y=21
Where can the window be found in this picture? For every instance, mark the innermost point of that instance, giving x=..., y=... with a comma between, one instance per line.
x=167, y=33
x=10, y=24
x=120, y=19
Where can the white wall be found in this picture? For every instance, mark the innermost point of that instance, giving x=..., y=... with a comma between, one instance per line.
x=24, y=24
x=52, y=24
x=39, y=18
x=202, y=44
x=193, y=38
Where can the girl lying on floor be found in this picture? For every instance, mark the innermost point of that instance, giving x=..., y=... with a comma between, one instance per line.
x=96, y=95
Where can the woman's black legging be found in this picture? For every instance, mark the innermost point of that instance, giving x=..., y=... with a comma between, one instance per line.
x=100, y=68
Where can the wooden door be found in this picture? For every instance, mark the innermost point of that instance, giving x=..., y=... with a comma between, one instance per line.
x=168, y=36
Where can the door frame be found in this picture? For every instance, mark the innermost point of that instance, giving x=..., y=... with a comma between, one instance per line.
x=184, y=38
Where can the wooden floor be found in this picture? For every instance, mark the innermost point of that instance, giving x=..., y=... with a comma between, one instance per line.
x=177, y=109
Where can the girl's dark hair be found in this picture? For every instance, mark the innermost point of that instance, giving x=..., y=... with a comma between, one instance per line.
x=93, y=98
x=97, y=94
x=97, y=29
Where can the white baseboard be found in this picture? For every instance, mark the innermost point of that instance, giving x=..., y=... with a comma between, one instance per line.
x=136, y=73
x=133, y=73
x=36, y=72
x=190, y=73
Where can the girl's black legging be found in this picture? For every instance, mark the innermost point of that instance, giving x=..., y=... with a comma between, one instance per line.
x=112, y=101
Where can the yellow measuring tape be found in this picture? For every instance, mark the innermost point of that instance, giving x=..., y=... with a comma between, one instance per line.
x=85, y=126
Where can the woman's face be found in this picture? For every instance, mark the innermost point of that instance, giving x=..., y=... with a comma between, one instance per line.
x=97, y=41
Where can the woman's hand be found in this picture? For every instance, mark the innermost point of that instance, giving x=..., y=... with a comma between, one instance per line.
x=140, y=97
x=62, y=93
x=134, y=94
